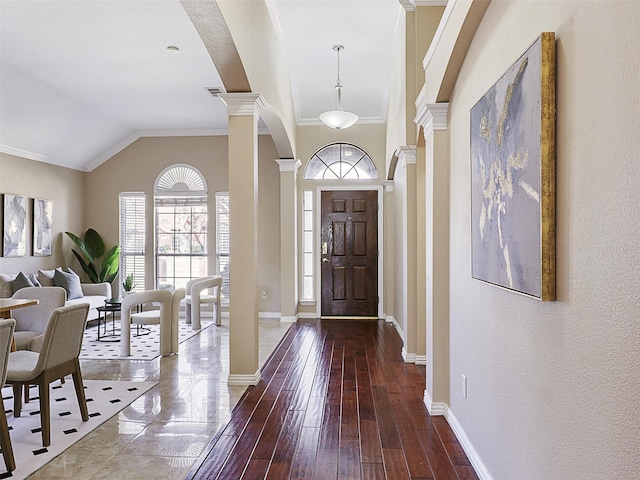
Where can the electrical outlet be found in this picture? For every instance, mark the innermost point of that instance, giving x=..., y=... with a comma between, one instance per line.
x=264, y=295
x=464, y=387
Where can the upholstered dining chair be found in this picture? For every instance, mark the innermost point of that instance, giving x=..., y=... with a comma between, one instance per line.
x=32, y=321
x=6, y=334
x=162, y=297
x=152, y=317
x=58, y=357
x=196, y=296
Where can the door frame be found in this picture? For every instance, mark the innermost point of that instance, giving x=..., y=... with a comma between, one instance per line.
x=317, y=240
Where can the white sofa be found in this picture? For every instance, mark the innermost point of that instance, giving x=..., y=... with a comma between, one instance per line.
x=93, y=293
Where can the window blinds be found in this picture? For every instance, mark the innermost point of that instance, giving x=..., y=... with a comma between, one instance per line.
x=132, y=237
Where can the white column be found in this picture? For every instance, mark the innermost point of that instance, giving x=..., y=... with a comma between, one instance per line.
x=433, y=119
x=407, y=158
x=243, y=109
x=288, y=239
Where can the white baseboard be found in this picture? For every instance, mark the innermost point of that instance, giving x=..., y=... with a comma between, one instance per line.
x=413, y=357
x=434, y=408
x=288, y=319
x=408, y=357
x=441, y=408
x=261, y=315
x=311, y=315
x=243, y=379
x=392, y=320
x=472, y=454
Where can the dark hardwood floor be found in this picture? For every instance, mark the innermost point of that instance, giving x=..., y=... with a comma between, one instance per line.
x=336, y=401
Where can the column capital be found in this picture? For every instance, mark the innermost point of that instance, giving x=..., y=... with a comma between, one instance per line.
x=406, y=155
x=387, y=185
x=408, y=5
x=289, y=164
x=241, y=104
x=432, y=117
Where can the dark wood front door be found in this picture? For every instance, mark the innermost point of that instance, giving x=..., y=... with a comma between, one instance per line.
x=349, y=253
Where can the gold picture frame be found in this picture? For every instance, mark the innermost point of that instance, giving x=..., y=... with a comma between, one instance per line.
x=513, y=176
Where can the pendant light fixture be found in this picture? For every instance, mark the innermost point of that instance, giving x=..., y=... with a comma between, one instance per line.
x=338, y=118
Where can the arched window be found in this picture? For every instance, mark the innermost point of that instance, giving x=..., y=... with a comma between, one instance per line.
x=340, y=161
x=180, y=198
x=182, y=180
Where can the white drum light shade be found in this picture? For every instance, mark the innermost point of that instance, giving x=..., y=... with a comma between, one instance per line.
x=338, y=118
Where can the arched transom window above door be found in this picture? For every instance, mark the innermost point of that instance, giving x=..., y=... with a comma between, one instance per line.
x=340, y=161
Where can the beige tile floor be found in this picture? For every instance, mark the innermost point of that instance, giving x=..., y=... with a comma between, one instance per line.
x=161, y=435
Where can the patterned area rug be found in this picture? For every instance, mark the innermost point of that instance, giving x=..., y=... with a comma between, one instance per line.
x=145, y=345
x=104, y=400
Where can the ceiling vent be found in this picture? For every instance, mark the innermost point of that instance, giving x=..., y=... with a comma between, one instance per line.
x=215, y=91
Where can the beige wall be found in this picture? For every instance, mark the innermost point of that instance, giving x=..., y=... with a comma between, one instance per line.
x=399, y=251
x=369, y=137
x=397, y=105
x=553, y=387
x=65, y=188
x=136, y=169
x=258, y=45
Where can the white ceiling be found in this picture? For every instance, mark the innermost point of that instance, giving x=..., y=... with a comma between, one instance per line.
x=80, y=80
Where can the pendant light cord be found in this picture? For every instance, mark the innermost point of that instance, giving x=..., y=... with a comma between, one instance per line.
x=337, y=48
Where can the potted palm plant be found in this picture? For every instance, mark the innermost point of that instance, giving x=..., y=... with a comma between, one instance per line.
x=99, y=265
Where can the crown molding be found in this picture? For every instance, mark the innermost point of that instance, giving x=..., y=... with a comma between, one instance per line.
x=38, y=157
x=311, y=122
x=431, y=3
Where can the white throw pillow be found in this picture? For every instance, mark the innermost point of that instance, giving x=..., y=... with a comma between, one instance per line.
x=45, y=277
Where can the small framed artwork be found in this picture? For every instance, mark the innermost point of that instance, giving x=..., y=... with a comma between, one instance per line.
x=14, y=242
x=42, y=227
x=513, y=176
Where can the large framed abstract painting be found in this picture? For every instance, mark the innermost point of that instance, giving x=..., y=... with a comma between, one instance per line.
x=513, y=176
x=14, y=241
x=42, y=227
